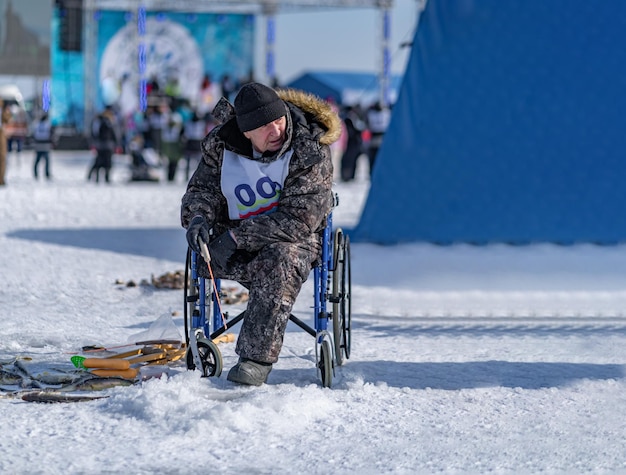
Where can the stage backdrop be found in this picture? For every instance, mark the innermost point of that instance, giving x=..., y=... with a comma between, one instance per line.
x=181, y=45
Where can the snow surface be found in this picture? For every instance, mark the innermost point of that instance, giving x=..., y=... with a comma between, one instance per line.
x=464, y=359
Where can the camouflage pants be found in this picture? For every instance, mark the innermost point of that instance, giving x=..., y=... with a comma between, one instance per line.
x=274, y=277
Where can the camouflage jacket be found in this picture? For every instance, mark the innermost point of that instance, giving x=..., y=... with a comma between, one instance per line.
x=306, y=198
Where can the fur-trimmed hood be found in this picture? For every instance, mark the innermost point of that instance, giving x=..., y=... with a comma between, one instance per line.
x=319, y=110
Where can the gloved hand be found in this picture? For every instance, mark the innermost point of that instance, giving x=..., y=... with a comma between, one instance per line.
x=222, y=248
x=198, y=229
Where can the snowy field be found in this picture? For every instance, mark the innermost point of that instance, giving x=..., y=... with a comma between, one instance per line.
x=464, y=359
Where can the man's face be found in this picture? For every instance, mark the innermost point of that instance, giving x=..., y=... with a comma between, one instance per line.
x=269, y=137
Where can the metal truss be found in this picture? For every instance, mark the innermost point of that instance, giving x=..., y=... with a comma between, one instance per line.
x=267, y=8
x=235, y=6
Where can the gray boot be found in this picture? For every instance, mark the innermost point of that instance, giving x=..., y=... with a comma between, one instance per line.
x=249, y=372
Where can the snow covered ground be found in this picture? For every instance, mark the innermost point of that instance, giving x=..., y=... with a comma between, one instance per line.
x=464, y=359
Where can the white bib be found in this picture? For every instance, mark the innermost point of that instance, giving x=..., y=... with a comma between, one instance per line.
x=252, y=188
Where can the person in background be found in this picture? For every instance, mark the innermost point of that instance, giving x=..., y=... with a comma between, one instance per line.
x=354, y=145
x=228, y=85
x=259, y=199
x=172, y=89
x=144, y=161
x=153, y=86
x=156, y=121
x=336, y=148
x=5, y=117
x=106, y=143
x=208, y=96
x=42, y=135
x=378, y=117
x=17, y=131
x=194, y=130
x=171, y=142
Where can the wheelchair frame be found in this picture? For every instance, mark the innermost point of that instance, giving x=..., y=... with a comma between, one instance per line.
x=332, y=286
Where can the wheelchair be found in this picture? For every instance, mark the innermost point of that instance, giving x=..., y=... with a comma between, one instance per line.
x=205, y=321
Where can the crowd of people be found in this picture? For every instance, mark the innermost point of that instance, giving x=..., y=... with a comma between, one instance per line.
x=167, y=133
x=165, y=136
x=170, y=132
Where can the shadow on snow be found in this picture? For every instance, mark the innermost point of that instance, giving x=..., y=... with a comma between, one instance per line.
x=160, y=243
x=481, y=374
x=491, y=326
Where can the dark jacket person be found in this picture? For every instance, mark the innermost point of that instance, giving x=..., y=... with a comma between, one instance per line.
x=263, y=187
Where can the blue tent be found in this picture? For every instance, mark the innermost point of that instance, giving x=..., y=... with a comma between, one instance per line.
x=345, y=87
x=509, y=127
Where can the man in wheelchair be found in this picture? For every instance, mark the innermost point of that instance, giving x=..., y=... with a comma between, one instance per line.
x=259, y=199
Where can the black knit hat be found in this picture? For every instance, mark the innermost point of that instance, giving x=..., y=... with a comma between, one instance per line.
x=257, y=105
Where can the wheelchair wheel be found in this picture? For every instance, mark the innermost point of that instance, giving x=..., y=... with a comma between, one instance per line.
x=325, y=364
x=341, y=297
x=210, y=356
x=188, y=305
